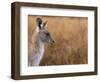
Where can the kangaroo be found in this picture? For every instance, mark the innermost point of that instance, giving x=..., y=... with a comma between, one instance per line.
x=41, y=36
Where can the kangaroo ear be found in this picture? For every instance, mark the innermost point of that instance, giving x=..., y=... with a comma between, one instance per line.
x=44, y=24
x=39, y=22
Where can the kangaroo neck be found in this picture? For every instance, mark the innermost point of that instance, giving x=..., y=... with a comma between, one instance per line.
x=39, y=46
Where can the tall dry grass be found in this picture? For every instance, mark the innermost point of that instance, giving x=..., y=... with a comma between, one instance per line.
x=70, y=34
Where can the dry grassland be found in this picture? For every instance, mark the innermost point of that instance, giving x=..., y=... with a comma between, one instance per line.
x=70, y=34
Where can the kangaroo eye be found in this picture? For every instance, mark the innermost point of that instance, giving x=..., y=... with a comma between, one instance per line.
x=47, y=34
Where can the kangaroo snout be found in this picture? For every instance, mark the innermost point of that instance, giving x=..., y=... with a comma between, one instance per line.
x=53, y=41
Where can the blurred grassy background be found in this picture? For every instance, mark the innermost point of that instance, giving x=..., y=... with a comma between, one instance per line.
x=70, y=34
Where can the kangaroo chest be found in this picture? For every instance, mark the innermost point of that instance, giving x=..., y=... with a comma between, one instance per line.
x=38, y=55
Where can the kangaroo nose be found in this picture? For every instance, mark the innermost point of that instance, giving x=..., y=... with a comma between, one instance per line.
x=53, y=41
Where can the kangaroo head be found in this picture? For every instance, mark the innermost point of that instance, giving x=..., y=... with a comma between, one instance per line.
x=43, y=33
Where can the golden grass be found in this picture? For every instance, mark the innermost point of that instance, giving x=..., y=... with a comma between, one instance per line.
x=70, y=34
